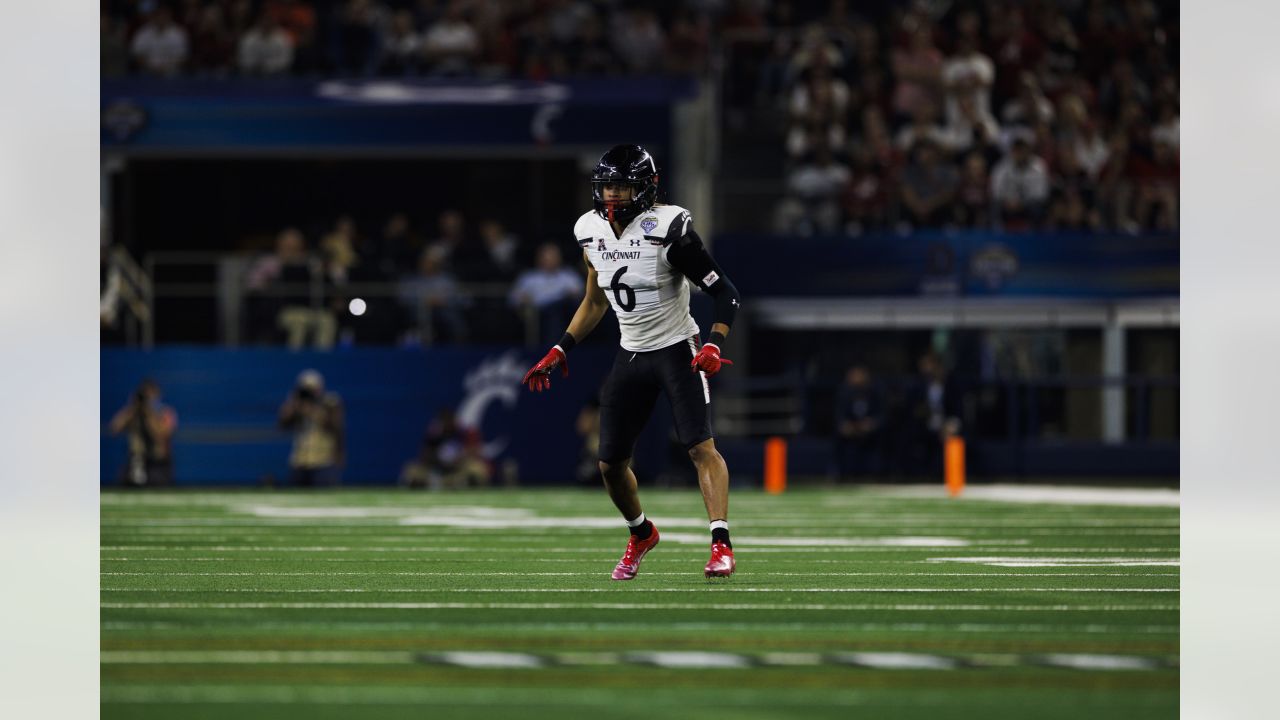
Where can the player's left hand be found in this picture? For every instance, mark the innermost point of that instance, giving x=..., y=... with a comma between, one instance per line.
x=708, y=359
x=539, y=376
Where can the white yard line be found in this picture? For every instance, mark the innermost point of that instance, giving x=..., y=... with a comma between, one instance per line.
x=676, y=659
x=380, y=626
x=618, y=606
x=374, y=573
x=1049, y=494
x=702, y=541
x=453, y=590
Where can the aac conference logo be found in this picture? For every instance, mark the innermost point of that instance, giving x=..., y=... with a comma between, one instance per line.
x=496, y=380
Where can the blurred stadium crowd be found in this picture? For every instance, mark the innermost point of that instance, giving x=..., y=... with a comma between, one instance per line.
x=460, y=281
x=1037, y=115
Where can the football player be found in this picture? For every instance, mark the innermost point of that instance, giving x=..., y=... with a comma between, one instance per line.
x=641, y=256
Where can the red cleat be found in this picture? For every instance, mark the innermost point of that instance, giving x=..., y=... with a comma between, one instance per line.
x=721, y=563
x=629, y=565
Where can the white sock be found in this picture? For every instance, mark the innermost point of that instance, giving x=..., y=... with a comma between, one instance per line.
x=637, y=522
x=720, y=524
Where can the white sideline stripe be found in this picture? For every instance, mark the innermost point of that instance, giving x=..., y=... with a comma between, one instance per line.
x=371, y=573
x=749, y=541
x=1138, y=497
x=702, y=540
x=424, y=700
x=616, y=606
x=1099, y=662
x=1092, y=628
x=256, y=656
x=691, y=659
x=478, y=659
x=677, y=659
x=897, y=661
x=447, y=591
x=1005, y=561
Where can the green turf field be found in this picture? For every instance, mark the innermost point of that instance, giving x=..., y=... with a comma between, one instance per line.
x=847, y=603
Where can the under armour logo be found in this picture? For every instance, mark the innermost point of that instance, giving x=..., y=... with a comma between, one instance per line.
x=600, y=247
x=635, y=243
x=734, y=301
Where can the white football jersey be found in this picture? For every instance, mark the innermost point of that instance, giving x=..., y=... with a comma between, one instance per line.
x=650, y=298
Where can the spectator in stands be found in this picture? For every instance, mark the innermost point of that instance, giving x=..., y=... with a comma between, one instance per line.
x=451, y=241
x=638, y=39
x=1062, y=50
x=298, y=18
x=316, y=419
x=280, y=289
x=917, y=71
x=451, y=45
x=924, y=126
x=814, y=44
x=1166, y=128
x=212, y=44
x=814, y=191
x=433, y=299
x=1014, y=48
x=399, y=247
x=354, y=47
x=933, y=413
x=591, y=53
x=860, y=414
x=1072, y=204
x=1116, y=183
x=551, y=290
x=498, y=261
x=971, y=129
x=973, y=193
x=338, y=249
x=265, y=49
x=875, y=135
x=928, y=187
x=1030, y=107
x=113, y=47
x=866, y=197
x=451, y=457
x=160, y=47
x=686, y=47
x=1091, y=150
x=968, y=75
x=1156, y=201
x=1020, y=187
x=818, y=107
x=150, y=425
x=402, y=47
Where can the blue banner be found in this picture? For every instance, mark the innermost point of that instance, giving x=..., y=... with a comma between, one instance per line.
x=283, y=115
x=227, y=402
x=951, y=264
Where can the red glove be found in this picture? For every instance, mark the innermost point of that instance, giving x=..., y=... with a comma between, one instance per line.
x=708, y=359
x=539, y=376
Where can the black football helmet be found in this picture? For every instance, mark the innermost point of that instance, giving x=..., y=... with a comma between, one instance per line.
x=630, y=164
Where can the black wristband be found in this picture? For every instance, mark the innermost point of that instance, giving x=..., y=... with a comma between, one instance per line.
x=716, y=339
x=566, y=343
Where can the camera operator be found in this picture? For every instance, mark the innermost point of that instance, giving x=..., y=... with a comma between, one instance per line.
x=150, y=426
x=316, y=419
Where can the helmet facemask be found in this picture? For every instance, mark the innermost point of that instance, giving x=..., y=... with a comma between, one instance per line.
x=643, y=194
x=629, y=165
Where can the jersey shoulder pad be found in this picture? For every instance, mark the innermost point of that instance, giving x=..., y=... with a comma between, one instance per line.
x=586, y=228
x=673, y=223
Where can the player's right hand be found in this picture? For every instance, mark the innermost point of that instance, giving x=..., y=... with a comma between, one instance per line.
x=539, y=376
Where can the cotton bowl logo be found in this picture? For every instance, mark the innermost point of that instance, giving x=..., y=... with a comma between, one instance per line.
x=649, y=224
x=494, y=380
